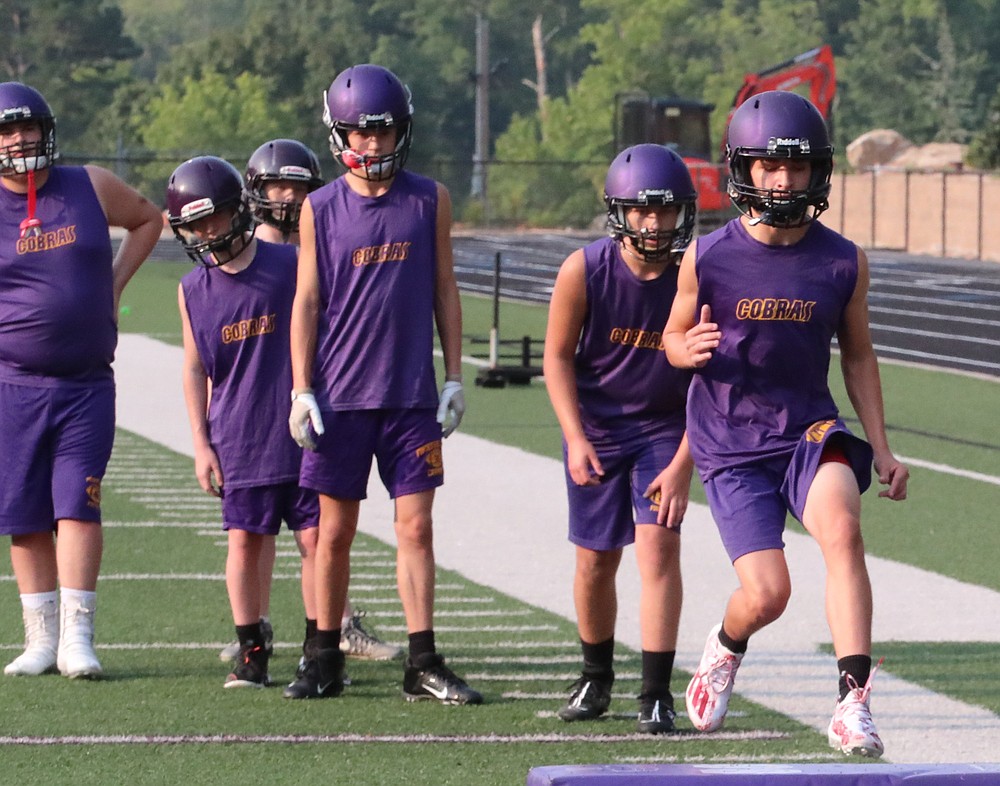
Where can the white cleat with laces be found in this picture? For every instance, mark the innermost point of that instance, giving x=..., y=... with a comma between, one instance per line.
x=41, y=640
x=852, y=730
x=75, y=657
x=711, y=686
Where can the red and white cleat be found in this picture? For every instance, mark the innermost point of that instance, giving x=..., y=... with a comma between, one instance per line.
x=852, y=730
x=711, y=686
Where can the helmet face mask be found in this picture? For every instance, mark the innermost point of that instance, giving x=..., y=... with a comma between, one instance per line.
x=647, y=176
x=363, y=98
x=280, y=160
x=22, y=104
x=198, y=189
x=772, y=126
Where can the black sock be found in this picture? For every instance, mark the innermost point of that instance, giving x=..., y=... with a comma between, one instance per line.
x=730, y=644
x=310, y=629
x=858, y=667
x=656, y=670
x=598, y=659
x=328, y=639
x=246, y=634
x=421, y=643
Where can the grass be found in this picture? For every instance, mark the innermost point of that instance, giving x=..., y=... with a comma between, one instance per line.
x=162, y=717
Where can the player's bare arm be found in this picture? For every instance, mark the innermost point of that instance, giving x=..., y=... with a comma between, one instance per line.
x=567, y=311
x=207, y=468
x=859, y=366
x=127, y=208
x=447, y=303
x=305, y=307
x=689, y=337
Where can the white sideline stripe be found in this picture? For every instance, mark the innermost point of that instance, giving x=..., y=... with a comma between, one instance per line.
x=944, y=468
x=169, y=645
x=159, y=525
x=521, y=645
x=732, y=758
x=417, y=739
x=473, y=629
x=520, y=676
x=527, y=660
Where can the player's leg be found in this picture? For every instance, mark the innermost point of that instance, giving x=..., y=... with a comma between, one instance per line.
x=749, y=511
x=600, y=525
x=410, y=465
x=657, y=551
x=83, y=439
x=243, y=586
x=33, y=559
x=595, y=598
x=832, y=515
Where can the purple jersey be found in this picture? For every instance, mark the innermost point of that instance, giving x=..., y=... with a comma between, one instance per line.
x=778, y=308
x=57, y=318
x=376, y=259
x=241, y=326
x=625, y=385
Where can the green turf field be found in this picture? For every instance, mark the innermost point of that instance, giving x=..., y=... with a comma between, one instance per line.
x=161, y=716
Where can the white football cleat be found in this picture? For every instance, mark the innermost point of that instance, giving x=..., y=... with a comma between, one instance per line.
x=41, y=640
x=76, y=658
x=852, y=730
x=711, y=686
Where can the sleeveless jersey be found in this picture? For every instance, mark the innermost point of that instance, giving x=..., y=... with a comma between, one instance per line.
x=778, y=308
x=625, y=385
x=241, y=327
x=57, y=320
x=376, y=260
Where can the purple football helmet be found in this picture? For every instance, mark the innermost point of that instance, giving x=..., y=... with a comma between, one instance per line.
x=20, y=103
x=779, y=124
x=280, y=159
x=201, y=187
x=368, y=96
x=644, y=175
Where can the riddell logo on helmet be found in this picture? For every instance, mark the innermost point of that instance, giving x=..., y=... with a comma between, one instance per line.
x=658, y=194
x=15, y=113
x=788, y=141
x=385, y=118
x=197, y=209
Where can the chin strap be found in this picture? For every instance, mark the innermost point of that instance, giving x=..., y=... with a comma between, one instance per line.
x=31, y=226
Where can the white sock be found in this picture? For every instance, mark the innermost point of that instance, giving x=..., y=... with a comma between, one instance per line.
x=84, y=598
x=33, y=601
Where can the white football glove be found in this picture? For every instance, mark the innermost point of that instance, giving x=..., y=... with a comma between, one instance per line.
x=305, y=420
x=451, y=408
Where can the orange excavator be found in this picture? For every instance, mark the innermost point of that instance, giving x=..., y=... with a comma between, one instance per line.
x=683, y=123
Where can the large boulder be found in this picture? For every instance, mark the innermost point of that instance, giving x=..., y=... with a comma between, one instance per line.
x=933, y=157
x=876, y=148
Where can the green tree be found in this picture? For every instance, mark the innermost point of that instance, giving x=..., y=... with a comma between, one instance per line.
x=984, y=151
x=663, y=47
x=212, y=115
x=74, y=52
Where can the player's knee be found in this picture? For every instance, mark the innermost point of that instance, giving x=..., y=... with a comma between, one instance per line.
x=416, y=529
x=767, y=603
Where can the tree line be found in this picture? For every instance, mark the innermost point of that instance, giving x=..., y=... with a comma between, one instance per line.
x=154, y=83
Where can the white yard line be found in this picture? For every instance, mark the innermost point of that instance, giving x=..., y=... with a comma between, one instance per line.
x=500, y=521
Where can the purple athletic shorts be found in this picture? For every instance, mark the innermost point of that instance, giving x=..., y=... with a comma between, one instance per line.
x=261, y=509
x=604, y=517
x=56, y=444
x=750, y=503
x=405, y=442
